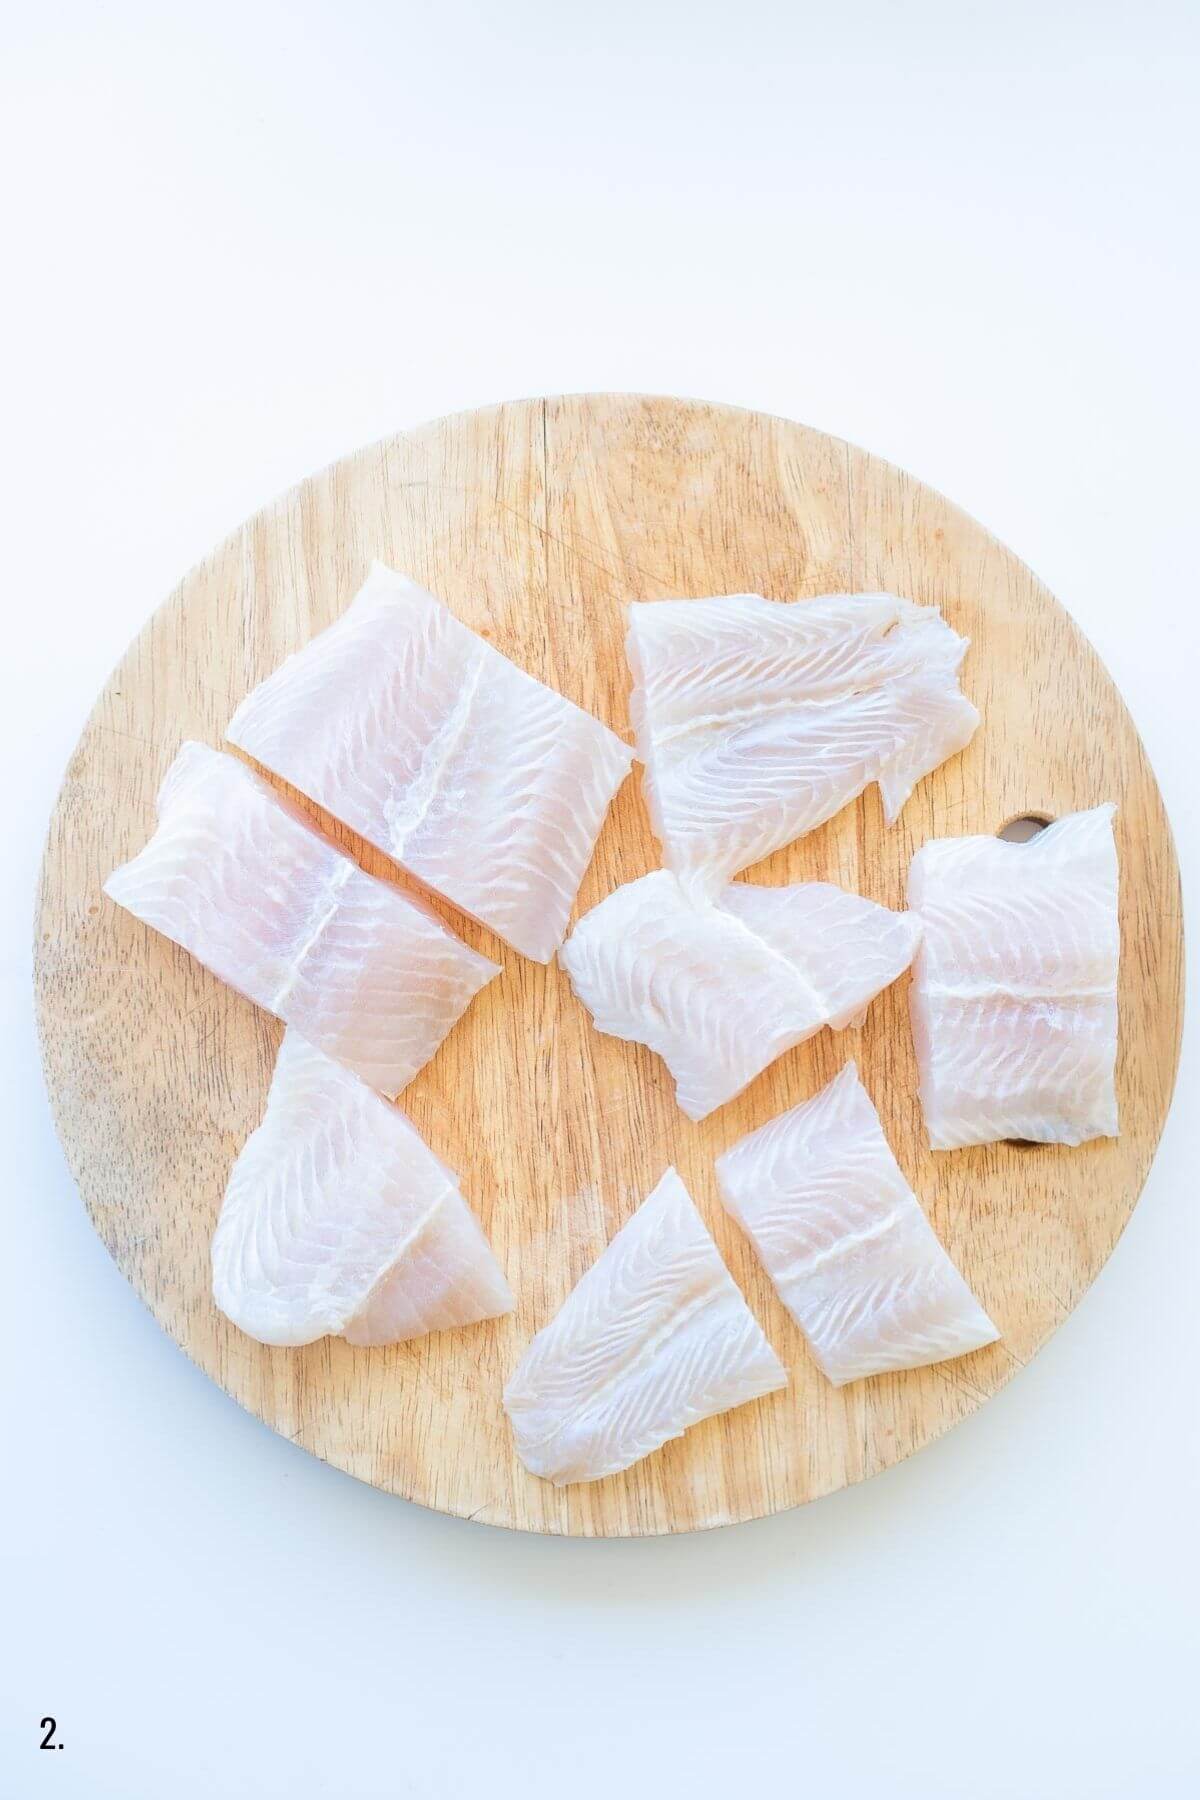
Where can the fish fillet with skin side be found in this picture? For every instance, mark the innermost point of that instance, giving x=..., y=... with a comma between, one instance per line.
x=480, y=780
x=720, y=988
x=844, y=1239
x=757, y=719
x=655, y=1337
x=339, y=1220
x=238, y=876
x=1014, y=992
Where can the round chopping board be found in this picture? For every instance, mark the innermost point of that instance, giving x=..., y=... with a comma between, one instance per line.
x=535, y=522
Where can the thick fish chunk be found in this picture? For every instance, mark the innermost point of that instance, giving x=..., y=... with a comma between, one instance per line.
x=1014, y=993
x=757, y=720
x=339, y=1220
x=655, y=1337
x=238, y=876
x=481, y=781
x=720, y=988
x=844, y=1239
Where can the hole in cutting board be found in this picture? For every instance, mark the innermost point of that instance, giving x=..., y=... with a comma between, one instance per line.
x=1023, y=827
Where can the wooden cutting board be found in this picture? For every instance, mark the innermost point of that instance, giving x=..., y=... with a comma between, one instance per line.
x=535, y=522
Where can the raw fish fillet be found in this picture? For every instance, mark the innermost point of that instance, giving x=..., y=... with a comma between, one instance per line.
x=757, y=720
x=338, y=1219
x=843, y=1238
x=239, y=877
x=483, y=782
x=720, y=988
x=654, y=1338
x=1014, y=993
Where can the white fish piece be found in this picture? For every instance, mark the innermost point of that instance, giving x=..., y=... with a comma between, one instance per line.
x=1014, y=993
x=720, y=988
x=757, y=719
x=655, y=1337
x=238, y=876
x=844, y=1239
x=415, y=731
x=340, y=1221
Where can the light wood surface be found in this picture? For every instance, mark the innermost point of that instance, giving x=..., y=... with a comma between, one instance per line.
x=535, y=521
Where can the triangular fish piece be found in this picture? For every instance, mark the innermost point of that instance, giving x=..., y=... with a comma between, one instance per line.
x=238, y=876
x=483, y=782
x=339, y=1220
x=655, y=1337
x=1014, y=994
x=757, y=720
x=844, y=1239
x=720, y=988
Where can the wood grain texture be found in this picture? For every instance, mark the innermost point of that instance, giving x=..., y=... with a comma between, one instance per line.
x=535, y=522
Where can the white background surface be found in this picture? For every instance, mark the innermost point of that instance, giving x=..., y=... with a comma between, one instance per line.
x=241, y=240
